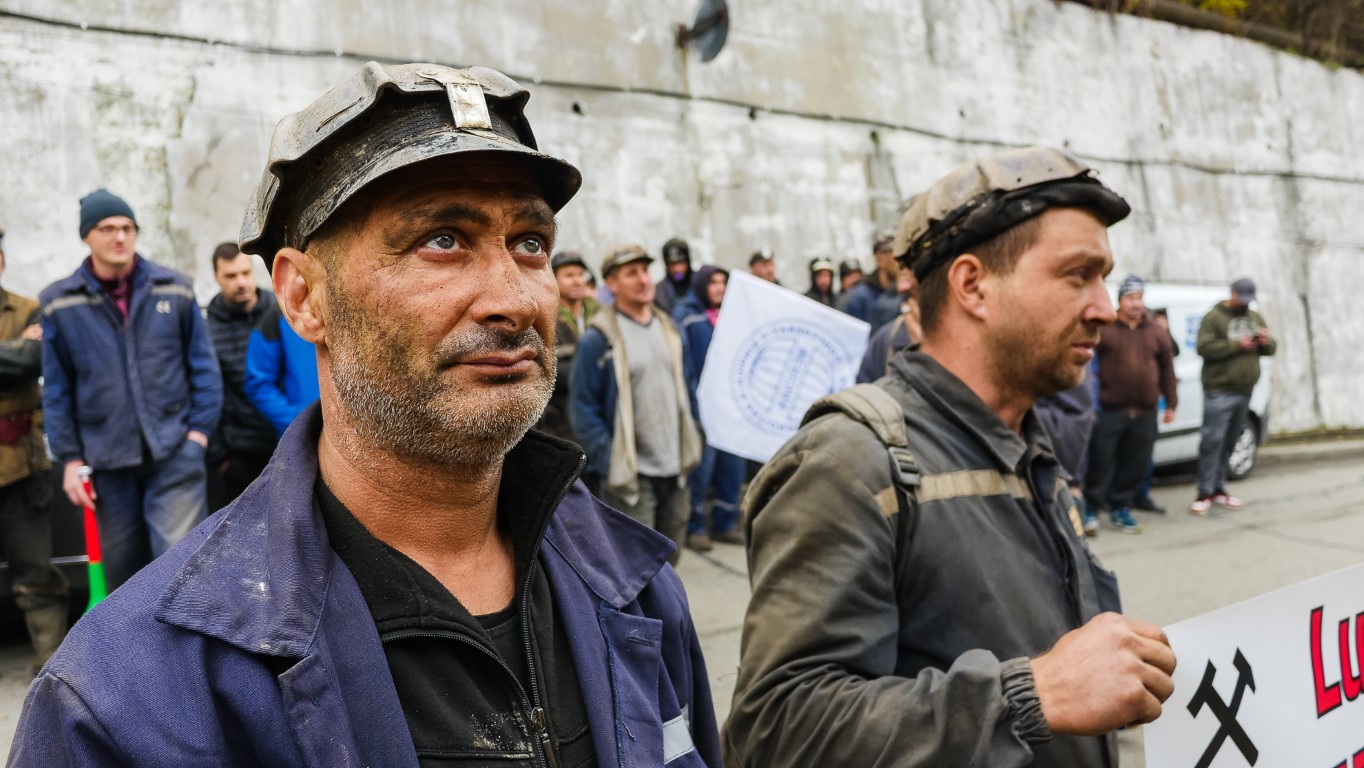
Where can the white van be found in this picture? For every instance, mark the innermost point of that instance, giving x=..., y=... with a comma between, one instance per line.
x=1177, y=443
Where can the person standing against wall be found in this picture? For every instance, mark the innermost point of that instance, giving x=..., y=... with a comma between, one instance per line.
x=633, y=403
x=244, y=440
x=821, y=281
x=875, y=298
x=40, y=590
x=720, y=472
x=677, y=275
x=763, y=265
x=131, y=389
x=1231, y=340
x=897, y=335
x=849, y=275
x=281, y=370
x=1136, y=369
x=576, y=310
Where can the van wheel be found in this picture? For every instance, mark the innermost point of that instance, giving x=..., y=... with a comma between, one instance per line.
x=1245, y=452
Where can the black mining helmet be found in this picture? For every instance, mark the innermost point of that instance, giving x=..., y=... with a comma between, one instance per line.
x=380, y=120
x=980, y=200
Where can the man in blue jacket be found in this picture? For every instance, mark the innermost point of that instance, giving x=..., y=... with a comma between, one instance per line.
x=131, y=389
x=281, y=370
x=719, y=472
x=876, y=298
x=415, y=580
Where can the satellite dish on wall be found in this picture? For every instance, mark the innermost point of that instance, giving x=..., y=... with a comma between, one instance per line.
x=707, y=31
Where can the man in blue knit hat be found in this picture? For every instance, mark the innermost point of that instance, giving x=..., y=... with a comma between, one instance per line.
x=131, y=390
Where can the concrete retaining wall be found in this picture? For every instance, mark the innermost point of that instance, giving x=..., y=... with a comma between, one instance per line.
x=801, y=136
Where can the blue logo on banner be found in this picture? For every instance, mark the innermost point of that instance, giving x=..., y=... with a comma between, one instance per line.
x=781, y=368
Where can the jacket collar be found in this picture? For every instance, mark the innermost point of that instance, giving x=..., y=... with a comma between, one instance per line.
x=259, y=580
x=146, y=272
x=618, y=572
x=958, y=402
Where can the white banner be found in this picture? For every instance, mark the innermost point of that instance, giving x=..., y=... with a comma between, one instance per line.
x=1273, y=681
x=773, y=354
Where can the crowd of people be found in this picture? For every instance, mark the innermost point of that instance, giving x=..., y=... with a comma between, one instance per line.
x=410, y=572
x=631, y=353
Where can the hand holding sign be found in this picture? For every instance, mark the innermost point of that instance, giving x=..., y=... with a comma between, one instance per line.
x=1113, y=671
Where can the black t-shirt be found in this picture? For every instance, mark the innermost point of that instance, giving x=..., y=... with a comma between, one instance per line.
x=464, y=682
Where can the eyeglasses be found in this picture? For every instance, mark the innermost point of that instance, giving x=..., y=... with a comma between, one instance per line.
x=109, y=230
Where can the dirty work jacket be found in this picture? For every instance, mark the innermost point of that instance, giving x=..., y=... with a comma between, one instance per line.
x=602, y=407
x=250, y=644
x=109, y=386
x=874, y=644
x=20, y=366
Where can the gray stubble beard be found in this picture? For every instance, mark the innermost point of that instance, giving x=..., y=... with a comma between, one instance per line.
x=413, y=416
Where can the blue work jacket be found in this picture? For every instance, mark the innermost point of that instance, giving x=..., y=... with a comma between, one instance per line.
x=281, y=370
x=110, y=386
x=249, y=643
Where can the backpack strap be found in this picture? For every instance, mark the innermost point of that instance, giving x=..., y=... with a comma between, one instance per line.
x=882, y=414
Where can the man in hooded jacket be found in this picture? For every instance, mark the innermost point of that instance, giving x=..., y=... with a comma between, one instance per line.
x=720, y=472
x=677, y=275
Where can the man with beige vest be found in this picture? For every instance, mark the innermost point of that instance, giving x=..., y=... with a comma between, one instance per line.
x=40, y=590
x=633, y=403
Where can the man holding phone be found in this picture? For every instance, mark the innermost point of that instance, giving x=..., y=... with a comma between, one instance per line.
x=1231, y=340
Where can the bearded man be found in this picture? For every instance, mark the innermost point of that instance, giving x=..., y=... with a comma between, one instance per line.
x=923, y=593
x=415, y=580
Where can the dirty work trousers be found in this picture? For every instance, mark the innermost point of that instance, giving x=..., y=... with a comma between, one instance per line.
x=1224, y=418
x=722, y=473
x=40, y=590
x=1119, y=452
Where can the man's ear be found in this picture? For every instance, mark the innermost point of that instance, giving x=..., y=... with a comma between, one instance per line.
x=300, y=285
x=968, y=283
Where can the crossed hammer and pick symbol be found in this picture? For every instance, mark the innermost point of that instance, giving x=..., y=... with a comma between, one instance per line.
x=1206, y=695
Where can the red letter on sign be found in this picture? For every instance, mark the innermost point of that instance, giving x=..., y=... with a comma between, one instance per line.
x=1359, y=759
x=1328, y=696
x=1352, y=681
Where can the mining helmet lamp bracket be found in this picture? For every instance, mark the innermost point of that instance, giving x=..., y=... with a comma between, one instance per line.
x=467, y=103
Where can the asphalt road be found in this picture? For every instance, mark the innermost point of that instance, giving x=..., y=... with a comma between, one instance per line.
x=1302, y=519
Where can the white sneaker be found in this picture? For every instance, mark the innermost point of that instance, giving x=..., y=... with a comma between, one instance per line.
x=1200, y=506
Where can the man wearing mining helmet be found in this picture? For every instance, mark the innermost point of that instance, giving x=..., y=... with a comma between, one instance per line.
x=923, y=593
x=415, y=579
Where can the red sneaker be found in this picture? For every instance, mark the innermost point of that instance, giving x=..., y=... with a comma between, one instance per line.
x=1224, y=499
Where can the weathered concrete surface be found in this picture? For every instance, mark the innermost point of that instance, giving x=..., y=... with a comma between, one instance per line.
x=801, y=136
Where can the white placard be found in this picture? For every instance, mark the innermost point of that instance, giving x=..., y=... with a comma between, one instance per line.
x=773, y=354
x=1272, y=682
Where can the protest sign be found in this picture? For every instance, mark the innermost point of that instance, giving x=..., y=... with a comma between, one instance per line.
x=773, y=354
x=1272, y=681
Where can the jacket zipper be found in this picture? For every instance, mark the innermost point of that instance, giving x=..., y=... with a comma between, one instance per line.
x=538, y=716
x=1072, y=577
x=440, y=634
